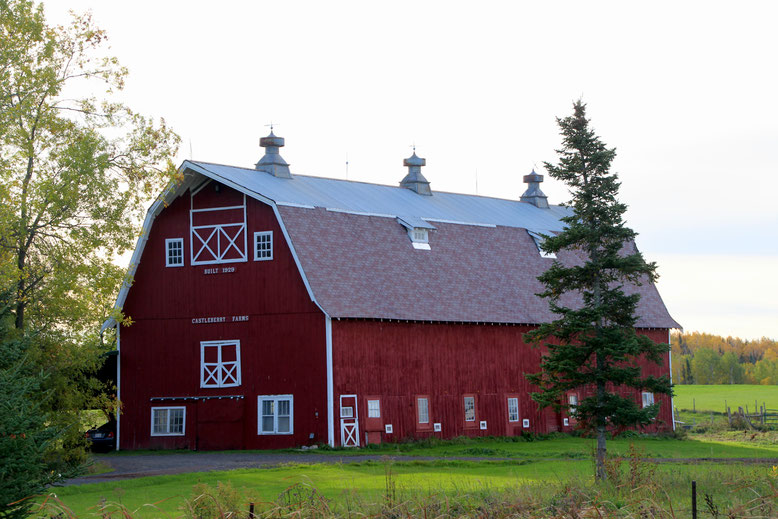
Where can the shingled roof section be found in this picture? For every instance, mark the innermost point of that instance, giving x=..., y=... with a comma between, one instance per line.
x=362, y=266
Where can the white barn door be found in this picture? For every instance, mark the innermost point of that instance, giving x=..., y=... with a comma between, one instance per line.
x=349, y=421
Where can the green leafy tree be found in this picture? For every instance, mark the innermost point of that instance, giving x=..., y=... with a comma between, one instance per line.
x=706, y=366
x=730, y=369
x=594, y=344
x=31, y=456
x=77, y=168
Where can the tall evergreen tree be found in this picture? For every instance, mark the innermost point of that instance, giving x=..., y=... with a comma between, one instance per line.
x=594, y=344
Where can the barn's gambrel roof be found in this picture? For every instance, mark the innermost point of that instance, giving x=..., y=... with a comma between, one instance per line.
x=350, y=244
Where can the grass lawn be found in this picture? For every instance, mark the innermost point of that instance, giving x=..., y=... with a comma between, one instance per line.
x=575, y=448
x=365, y=484
x=711, y=398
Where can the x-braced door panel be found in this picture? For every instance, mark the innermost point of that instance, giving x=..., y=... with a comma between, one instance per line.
x=349, y=421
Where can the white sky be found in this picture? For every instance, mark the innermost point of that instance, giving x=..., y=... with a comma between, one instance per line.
x=686, y=91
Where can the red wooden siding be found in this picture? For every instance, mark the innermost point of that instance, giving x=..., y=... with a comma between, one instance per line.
x=399, y=361
x=281, y=333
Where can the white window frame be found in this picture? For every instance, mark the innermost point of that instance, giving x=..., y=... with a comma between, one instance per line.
x=572, y=402
x=168, y=409
x=219, y=367
x=472, y=399
x=374, y=408
x=513, y=414
x=425, y=408
x=168, y=243
x=200, y=235
x=275, y=399
x=420, y=238
x=257, y=235
x=647, y=398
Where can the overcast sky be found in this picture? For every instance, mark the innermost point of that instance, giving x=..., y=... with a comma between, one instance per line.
x=686, y=91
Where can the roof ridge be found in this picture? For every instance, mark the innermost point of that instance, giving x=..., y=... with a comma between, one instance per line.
x=364, y=182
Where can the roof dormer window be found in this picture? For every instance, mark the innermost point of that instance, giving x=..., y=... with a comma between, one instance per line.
x=539, y=239
x=420, y=238
x=418, y=231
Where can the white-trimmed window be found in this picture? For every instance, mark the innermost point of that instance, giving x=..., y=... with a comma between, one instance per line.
x=174, y=252
x=276, y=414
x=423, y=406
x=470, y=409
x=572, y=402
x=513, y=409
x=168, y=421
x=263, y=246
x=374, y=409
x=420, y=238
x=648, y=398
x=220, y=363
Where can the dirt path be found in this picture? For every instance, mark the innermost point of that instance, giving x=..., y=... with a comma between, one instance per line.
x=141, y=465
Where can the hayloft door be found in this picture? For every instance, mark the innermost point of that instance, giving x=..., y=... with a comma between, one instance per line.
x=349, y=421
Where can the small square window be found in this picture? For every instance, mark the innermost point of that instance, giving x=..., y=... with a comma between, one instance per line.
x=373, y=409
x=174, y=252
x=648, y=399
x=263, y=246
x=437, y=427
x=389, y=428
x=168, y=421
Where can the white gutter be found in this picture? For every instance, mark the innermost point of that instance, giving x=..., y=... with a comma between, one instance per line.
x=118, y=384
x=670, y=360
x=330, y=384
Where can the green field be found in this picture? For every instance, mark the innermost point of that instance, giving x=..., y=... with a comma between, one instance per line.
x=712, y=398
x=367, y=485
x=567, y=447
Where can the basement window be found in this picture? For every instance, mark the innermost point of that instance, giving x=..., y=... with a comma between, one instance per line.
x=539, y=239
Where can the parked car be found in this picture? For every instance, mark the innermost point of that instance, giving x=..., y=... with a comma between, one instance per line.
x=103, y=438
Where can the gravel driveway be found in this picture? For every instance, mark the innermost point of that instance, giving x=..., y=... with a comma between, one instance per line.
x=135, y=466
x=128, y=466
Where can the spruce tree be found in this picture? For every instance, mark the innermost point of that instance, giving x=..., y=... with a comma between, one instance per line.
x=592, y=346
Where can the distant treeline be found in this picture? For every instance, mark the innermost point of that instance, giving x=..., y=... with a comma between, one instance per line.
x=702, y=358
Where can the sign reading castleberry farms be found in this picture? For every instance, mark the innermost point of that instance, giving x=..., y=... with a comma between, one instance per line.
x=231, y=319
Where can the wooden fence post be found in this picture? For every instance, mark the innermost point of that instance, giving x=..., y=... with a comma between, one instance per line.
x=694, y=500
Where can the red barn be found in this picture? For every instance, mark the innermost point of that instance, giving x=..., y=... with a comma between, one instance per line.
x=273, y=310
